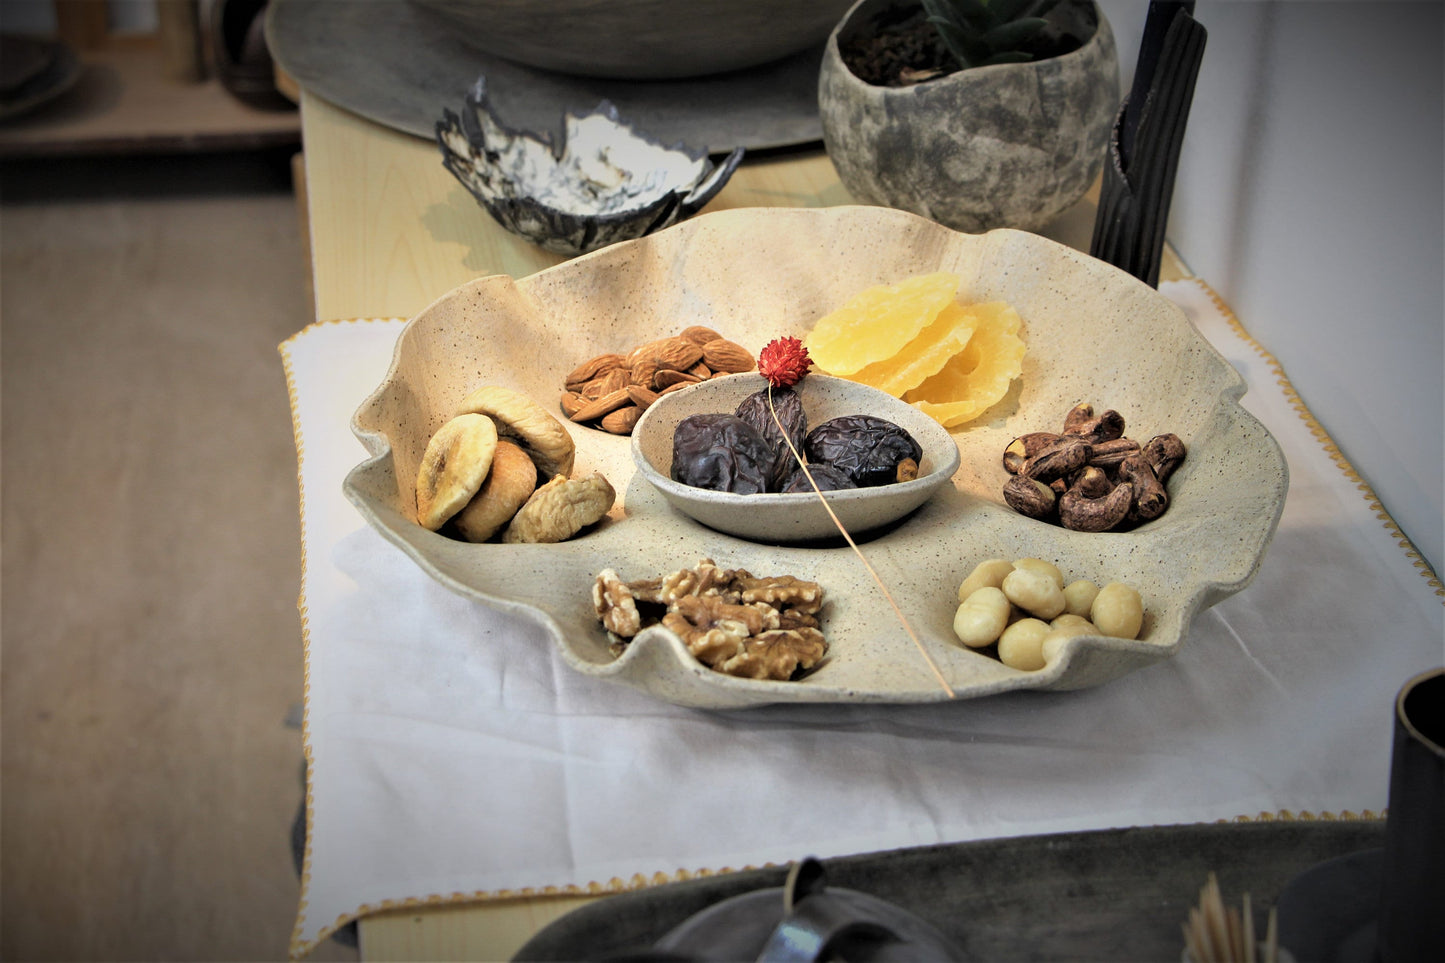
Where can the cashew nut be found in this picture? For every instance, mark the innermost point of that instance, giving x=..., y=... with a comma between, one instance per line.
x=1024, y=447
x=1082, y=514
x=1064, y=458
x=1029, y=497
x=1150, y=498
x=1164, y=453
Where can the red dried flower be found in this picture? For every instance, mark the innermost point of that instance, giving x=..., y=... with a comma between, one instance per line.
x=784, y=361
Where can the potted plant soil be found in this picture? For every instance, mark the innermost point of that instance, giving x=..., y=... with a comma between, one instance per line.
x=977, y=114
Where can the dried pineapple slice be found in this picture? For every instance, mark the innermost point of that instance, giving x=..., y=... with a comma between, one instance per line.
x=979, y=376
x=924, y=356
x=877, y=322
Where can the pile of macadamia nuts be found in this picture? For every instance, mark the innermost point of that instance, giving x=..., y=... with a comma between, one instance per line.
x=1025, y=608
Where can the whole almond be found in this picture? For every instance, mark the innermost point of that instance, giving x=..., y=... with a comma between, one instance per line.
x=701, y=370
x=593, y=367
x=604, y=405
x=647, y=350
x=621, y=421
x=572, y=402
x=724, y=355
x=679, y=354
x=642, y=371
x=641, y=397
x=667, y=378
x=671, y=388
x=592, y=390
x=699, y=334
x=614, y=378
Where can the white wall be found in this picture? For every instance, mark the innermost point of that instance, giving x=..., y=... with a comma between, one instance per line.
x=1311, y=196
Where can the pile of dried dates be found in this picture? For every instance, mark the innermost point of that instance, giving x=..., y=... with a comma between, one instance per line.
x=1089, y=477
x=745, y=452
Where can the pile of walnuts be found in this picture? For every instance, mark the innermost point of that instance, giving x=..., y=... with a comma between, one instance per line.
x=731, y=621
x=611, y=391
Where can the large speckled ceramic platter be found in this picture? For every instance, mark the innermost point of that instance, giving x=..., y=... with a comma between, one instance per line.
x=1093, y=334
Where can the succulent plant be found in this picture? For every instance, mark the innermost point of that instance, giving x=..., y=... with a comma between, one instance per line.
x=983, y=32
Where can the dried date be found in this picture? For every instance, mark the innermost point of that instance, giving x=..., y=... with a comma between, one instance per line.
x=869, y=450
x=720, y=452
x=789, y=407
x=828, y=479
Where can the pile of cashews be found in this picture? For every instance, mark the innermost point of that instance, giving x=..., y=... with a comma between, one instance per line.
x=1026, y=608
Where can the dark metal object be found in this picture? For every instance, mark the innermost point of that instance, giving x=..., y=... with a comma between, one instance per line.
x=1412, y=900
x=1145, y=145
x=1385, y=904
x=398, y=64
x=1112, y=895
x=800, y=922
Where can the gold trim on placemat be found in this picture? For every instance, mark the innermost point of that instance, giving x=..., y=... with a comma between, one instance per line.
x=1327, y=443
x=299, y=947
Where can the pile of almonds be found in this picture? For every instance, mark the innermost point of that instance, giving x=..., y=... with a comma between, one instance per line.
x=611, y=391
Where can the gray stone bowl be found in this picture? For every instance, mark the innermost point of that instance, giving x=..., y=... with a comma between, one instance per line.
x=1009, y=145
x=640, y=39
x=785, y=519
x=1093, y=334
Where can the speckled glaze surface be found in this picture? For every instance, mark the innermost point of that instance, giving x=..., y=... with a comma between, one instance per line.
x=1093, y=334
x=1011, y=145
x=793, y=518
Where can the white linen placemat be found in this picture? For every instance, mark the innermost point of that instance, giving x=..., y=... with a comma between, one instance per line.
x=452, y=755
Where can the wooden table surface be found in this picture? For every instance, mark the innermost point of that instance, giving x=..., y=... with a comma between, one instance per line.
x=391, y=230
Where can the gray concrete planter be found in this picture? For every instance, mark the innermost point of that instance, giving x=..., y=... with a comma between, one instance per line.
x=1012, y=145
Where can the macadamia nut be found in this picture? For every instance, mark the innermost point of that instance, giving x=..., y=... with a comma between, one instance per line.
x=1079, y=597
x=1043, y=567
x=1077, y=624
x=1118, y=611
x=1034, y=591
x=986, y=573
x=981, y=618
x=1022, y=645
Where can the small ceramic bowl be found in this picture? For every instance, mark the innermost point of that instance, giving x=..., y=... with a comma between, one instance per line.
x=605, y=182
x=782, y=519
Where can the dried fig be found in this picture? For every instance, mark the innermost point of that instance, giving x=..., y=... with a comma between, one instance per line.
x=453, y=467
x=520, y=418
x=509, y=484
x=560, y=509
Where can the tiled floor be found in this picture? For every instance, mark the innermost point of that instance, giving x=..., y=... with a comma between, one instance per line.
x=151, y=644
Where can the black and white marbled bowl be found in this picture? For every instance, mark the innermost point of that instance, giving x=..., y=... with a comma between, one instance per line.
x=604, y=182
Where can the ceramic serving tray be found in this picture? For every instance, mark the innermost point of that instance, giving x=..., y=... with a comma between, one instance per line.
x=1093, y=333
